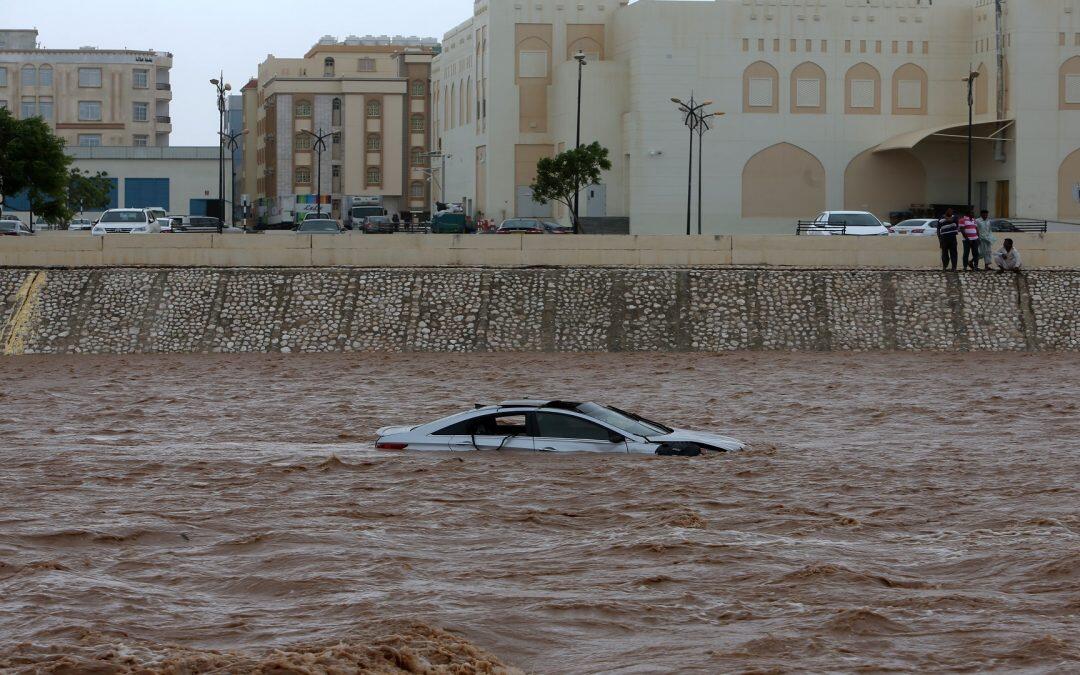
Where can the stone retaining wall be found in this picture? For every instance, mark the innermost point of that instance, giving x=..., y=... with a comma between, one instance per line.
x=175, y=310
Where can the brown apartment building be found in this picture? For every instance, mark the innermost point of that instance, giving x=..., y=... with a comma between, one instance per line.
x=369, y=98
x=89, y=96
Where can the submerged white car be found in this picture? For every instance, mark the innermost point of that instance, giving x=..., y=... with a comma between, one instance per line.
x=553, y=426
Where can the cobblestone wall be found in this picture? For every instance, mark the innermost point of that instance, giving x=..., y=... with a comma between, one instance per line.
x=564, y=309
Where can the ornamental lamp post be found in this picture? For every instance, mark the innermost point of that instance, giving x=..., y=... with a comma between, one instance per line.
x=970, y=80
x=580, y=58
x=691, y=111
x=233, y=142
x=319, y=147
x=222, y=90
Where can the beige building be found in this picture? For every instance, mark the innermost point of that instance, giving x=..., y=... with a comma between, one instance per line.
x=89, y=96
x=830, y=104
x=370, y=95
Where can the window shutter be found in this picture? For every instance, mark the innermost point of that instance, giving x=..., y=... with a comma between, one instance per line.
x=1072, y=89
x=761, y=92
x=808, y=93
x=909, y=94
x=863, y=93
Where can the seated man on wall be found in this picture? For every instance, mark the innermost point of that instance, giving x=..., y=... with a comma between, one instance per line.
x=1008, y=258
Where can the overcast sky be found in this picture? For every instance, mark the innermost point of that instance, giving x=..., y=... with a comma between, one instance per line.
x=232, y=35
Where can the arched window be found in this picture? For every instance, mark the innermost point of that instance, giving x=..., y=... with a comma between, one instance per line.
x=416, y=123
x=808, y=89
x=374, y=142
x=862, y=90
x=302, y=142
x=909, y=90
x=1069, y=84
x=417, y=157
x=328, y=67
x=303, y=175
x=28, y=77
x=374, y=176
x=45, y=76
x=761, y=88
x=303, y=108
x=374, y=109
x=335, y=112
x=419, y=89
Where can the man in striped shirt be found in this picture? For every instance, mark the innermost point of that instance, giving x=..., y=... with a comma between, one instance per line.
x=969, y=229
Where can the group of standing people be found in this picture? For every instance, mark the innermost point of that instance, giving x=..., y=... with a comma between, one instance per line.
x=978, y=241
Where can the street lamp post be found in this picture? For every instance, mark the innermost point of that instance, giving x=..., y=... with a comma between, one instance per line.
x=233, y=142
x=580, y=58
x=442, y=171
x=222, y=90
x=970, y=79
x=691, y=110
x=702, y=127
x=319, y=147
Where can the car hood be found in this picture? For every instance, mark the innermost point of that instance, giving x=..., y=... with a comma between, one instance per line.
x=705, y=438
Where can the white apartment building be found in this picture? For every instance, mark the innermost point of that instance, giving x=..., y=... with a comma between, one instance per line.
x=89, y=96
x=829, y=104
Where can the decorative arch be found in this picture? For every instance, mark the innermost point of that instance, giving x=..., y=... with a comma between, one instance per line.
x=783, y=181
x=466, y=102
x=910, y=88
x=453, y=106
x=328, y=66
x=860, y=83
x=761, y=88
x=1068, y=184
x=1069, y=84
x=592, y=49
x=884, y=181
x=808, y=89
x=982, y=90
x=335, y=112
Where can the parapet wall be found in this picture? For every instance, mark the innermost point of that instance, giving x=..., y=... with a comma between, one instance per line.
x=170, y=310
x=287, y=249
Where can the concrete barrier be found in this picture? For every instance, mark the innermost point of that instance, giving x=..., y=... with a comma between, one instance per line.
x=1039, y=251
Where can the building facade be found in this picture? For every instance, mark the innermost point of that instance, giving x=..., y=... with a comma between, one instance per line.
x=829, y=104
x=89, y=96
x=182, y=180
x=369, y=99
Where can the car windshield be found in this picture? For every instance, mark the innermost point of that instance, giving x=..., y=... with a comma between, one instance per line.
x=519, y=225
x=622, y=420
x=123, y=217
x=319, y=226
x=8, y=226
x=854, y=220
x=913, y=223
x=378, y=219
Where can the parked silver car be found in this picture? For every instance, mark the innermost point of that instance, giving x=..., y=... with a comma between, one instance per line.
x=553, y=426
x=918, y=227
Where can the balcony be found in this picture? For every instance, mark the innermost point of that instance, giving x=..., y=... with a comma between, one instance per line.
x=164, y=86
x=163, y=119
x=164, y=91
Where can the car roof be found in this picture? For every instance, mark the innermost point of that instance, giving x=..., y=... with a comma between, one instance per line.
x=107, y=211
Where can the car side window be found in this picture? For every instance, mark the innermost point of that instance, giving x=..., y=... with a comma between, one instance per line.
x=554, y=425
x=488, y=425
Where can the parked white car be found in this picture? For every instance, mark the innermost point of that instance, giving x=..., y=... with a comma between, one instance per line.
x=127, y=221
x=916, y=227
x=80, y=225
x=851, y=223
x=553, y=426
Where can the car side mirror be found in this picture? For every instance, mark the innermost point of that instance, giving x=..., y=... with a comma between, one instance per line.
x=616, y=438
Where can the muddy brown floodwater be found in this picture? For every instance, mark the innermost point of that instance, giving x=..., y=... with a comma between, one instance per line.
x=226, y=513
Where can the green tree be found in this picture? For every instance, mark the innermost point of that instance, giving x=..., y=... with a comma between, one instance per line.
x=88, y=191
x=32, y=160
x=559, y=178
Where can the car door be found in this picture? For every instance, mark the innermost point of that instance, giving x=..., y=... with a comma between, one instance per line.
x=565, y=432
x=509, y=430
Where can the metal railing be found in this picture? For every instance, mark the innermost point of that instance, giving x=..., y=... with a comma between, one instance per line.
x=164, y=119
x=810, y=227
x=164, y=86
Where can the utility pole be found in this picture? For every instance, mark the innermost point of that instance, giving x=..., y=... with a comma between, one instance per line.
x=972, y=75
